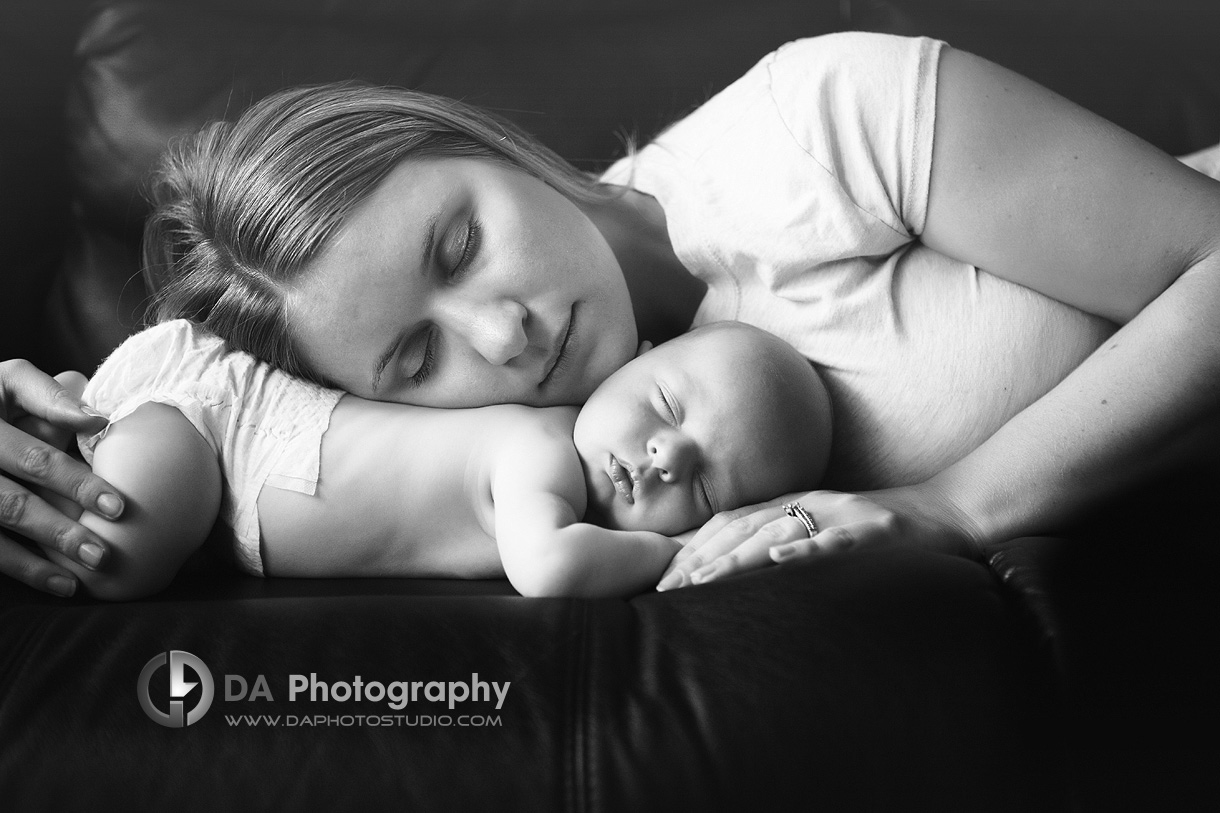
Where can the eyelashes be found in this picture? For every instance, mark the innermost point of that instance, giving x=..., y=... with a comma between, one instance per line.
x=427, y=365
x=667, y=409
x=469, y=248
x=669, y=413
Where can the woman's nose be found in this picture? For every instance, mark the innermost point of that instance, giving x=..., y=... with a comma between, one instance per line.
x=495, y=329
x=671, y=455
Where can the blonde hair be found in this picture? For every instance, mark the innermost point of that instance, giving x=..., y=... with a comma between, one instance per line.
x=241, y=207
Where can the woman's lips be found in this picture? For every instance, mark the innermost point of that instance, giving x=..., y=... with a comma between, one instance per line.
x=624, y=483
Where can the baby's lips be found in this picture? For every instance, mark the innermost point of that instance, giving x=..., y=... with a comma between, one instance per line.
x=624, y=483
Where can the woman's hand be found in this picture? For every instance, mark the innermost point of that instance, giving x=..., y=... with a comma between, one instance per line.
x=759, y=535
x=38, y=418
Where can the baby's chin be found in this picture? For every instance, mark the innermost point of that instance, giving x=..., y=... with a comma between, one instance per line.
x=609, y=513
x=618, y=517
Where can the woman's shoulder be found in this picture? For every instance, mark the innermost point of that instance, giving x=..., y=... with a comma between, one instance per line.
x=852, y=79
x=851, y=48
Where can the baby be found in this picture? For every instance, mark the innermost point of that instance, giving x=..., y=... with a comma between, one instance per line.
x=315, y=482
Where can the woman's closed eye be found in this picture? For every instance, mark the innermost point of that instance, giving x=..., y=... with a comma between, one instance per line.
x=427, y=363
x=420, y=352
x=464, y=245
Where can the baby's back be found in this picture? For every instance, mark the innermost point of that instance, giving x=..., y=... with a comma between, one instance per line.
x=316, y=482
x=403, y=491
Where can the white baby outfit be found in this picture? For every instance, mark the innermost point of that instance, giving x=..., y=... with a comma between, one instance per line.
x=797, y=195
x=264, y=426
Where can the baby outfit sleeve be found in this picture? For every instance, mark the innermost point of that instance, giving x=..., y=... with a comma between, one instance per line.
x=146, y=368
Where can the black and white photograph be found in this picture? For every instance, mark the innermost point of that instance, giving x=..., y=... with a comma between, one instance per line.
x=609, y=405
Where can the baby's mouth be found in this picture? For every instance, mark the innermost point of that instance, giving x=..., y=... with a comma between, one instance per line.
x=623, y=480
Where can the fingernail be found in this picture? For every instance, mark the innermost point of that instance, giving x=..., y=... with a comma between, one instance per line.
x=61, y=585
x=782, y=552
x=91, y=555
x=667, y=582
x=110, y=505
x=702, y=576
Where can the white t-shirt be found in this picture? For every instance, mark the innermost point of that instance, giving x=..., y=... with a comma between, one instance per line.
x=797, y=195
x=264, y=426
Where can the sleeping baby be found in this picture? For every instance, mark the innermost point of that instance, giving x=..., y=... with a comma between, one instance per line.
x=315, y=482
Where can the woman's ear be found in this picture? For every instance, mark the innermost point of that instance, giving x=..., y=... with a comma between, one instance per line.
x=645, y=346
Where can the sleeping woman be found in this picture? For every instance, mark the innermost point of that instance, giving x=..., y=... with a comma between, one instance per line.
x=1011, y=301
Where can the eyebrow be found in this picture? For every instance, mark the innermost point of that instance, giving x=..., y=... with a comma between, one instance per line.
x=387, y=355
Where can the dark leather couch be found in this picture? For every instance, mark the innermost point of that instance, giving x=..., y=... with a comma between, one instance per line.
x=1067, y=672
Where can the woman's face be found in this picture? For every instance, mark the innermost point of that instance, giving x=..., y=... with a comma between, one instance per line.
x=464, y=282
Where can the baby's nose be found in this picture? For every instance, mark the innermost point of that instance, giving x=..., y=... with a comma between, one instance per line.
x=672, y=455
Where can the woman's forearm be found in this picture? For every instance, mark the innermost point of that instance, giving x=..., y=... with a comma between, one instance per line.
x=1145, y=403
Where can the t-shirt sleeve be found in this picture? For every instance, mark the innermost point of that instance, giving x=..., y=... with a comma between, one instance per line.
x=817, y=156
x=862, y=105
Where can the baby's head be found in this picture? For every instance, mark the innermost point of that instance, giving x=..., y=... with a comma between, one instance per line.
x=724, y=416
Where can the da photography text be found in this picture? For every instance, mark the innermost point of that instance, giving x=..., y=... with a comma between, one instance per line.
x=396, y=694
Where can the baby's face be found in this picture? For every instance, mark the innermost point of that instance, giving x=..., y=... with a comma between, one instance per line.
x=690, y=428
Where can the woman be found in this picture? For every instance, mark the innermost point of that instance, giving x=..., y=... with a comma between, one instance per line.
x=461, y=281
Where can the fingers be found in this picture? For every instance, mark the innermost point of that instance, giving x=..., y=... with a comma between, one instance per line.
x=713, y=526
x=73, y=382
x=26, y=390
x=722, y=534
x=757, y=536
x=691, y=542
x=754, y=552
x=26, y=458
x=51, y=409
x=828, y=541
x=29, y=568
x=28, y=514
x=47, y=432
x=38, y=415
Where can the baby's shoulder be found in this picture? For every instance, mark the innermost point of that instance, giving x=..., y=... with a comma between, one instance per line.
x=532, y=451
x=523, y=432
x=529, y=420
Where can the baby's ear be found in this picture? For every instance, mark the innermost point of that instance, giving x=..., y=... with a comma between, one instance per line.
x=645, y=346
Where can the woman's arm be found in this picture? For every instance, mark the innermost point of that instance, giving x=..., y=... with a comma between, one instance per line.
x=38, y=418
x=172, y=481
x=1032, y=188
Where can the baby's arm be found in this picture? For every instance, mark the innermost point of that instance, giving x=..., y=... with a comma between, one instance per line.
x=171, y=480
x=539, y=494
